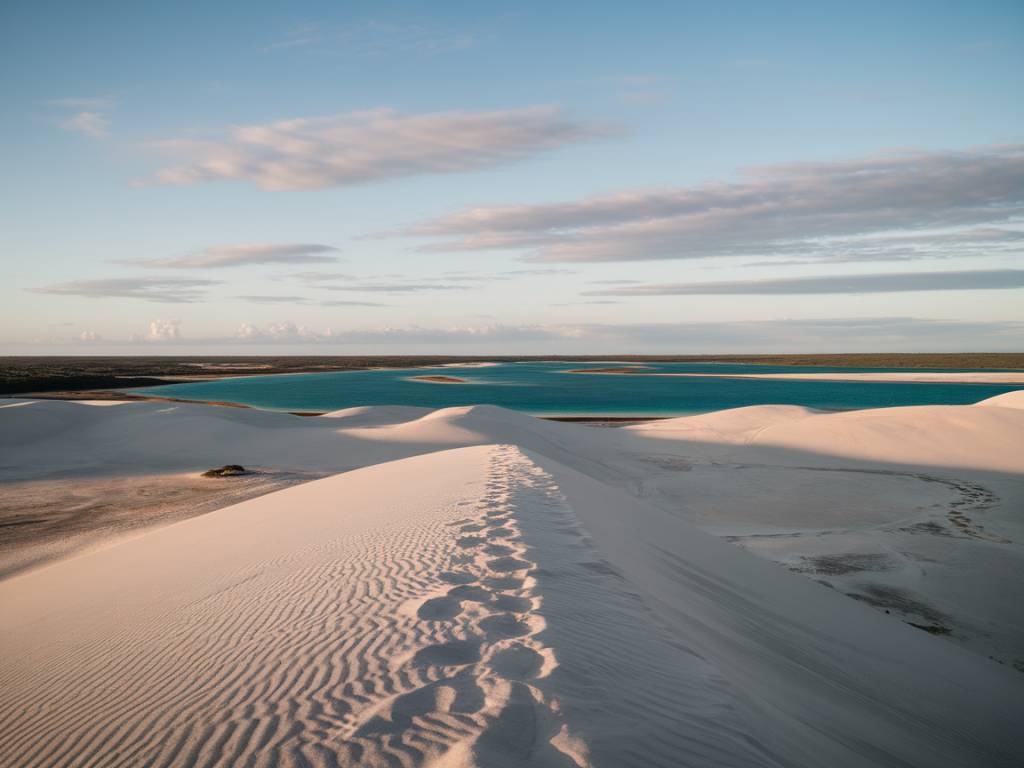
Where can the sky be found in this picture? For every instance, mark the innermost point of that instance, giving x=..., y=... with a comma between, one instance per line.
x=474, y=178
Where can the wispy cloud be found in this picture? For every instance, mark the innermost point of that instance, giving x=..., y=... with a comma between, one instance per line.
x=642, y=90
x=360, y=147
x=968, y=242
x=396, y=282
x=893, y=282
x=374, y=38
x=778, y=210
x=83, y=102
x=299, y=36
x=397, y=287
x=320, y=276
x=348, y=303
x=167, y=290
x=93, y=124
x=88, y=114
x=244, y=255
x=542, y=272
x=274, y=299
x=305, y=300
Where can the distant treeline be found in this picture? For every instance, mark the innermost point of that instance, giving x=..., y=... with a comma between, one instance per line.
x=20, y=375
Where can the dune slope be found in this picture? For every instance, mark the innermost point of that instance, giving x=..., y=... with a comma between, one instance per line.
x=479, y=606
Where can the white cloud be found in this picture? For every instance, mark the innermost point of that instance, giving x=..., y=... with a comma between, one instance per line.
x=284, y=331
x=289, y=330
x=358, y=147
x=777, y=210
x=245, y=255
x=248, y=331
x=163, y=330
x=93, y=124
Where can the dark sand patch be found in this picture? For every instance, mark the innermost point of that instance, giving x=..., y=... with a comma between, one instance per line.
x=47, y=520
x=841, y=565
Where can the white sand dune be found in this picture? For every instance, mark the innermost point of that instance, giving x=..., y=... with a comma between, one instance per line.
x=479, y=604
x=375, y=415
x=498, y=590
x=1007, y=400
x=936, y=435
x=736, y=425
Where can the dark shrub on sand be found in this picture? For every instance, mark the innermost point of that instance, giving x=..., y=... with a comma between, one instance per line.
x=226, y=471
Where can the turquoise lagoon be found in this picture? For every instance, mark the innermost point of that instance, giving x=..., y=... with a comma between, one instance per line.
x=545, y=388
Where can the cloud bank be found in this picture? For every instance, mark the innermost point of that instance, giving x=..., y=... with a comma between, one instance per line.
x=871, y=334
x=359, y=147
x=819, y=211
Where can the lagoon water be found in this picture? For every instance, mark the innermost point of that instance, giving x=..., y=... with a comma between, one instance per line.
x=544, y=388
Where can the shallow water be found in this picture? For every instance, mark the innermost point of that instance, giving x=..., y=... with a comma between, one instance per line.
x=546, y=389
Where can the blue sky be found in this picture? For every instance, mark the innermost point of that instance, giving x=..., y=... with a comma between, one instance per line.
x=453, y=177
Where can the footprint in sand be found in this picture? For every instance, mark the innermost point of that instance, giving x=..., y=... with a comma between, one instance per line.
x=505, y=564
x=470, y=592
x=512, y=603
x=500, y=549
x=440, y=609
x=451, y=654
x=503, y=582
x=457, y=577
x=517, y=662
x=502, y=626
x=521, y=734
x=456, y=695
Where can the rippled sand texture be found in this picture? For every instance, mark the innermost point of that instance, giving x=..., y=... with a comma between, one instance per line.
x=352, y=644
